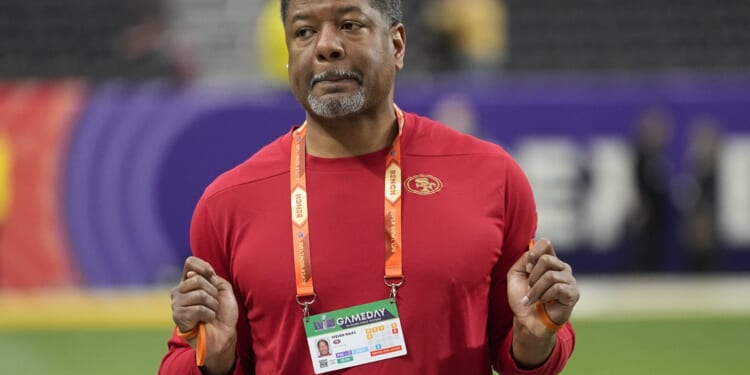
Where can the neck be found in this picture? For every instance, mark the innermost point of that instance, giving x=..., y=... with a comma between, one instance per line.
x=355, y=135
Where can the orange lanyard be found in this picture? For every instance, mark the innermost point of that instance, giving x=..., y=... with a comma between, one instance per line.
x=300, y=216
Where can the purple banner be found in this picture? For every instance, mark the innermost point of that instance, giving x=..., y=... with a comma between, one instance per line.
x=141, y=156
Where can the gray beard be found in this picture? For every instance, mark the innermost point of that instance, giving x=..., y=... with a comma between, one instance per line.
x=337, y=107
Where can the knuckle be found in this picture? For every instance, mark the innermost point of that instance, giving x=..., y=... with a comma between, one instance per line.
x=546, y=243
x=548, y=259
x=550, y=293
x=559, y=289
x=189, y=263
x=549, y=277
x=182, y=321
x=198, y=282
x=207, y=313
x=178, y=303
x=204, y=297
x=556, y=278
x=194, y=282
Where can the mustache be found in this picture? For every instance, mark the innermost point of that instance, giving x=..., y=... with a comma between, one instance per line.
x=335, y=76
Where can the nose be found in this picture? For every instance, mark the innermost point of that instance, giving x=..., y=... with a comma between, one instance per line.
x=329, y=47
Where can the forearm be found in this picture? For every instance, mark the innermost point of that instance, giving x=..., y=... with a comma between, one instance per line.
x=220, y=364
x=553, y=362
x=180, y=360
x=531, y=349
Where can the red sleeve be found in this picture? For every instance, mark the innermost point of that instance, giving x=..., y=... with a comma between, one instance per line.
x=206, y=244
x=554, y=364
x=520, y=222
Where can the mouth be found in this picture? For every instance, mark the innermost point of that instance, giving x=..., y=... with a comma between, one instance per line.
x=336, y=76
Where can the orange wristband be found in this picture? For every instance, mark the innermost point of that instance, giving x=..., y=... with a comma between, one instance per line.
x=552, y=326
x=189, y=334
x=200, y=346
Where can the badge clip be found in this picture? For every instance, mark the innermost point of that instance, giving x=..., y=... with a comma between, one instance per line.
x=394, y=286
x=306, y=304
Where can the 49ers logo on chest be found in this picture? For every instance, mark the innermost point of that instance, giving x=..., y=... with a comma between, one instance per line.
x=423, y=184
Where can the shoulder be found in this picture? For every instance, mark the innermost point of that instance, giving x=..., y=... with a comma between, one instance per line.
x=270, y=161
x=431, y=140
x=427, y=137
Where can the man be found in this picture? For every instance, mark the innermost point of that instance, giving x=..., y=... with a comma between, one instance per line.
x=323, y=349
x=462, y=294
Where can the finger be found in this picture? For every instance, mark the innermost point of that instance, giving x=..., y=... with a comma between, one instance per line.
x=197, y=283
x=546, y=263
x=519, y=267
x=563, y=294
x=545, y=282
x=186, y=305
x=221, y=284
x=198, y=266
x=196, y=298
x=187, y=317
x=539, y=248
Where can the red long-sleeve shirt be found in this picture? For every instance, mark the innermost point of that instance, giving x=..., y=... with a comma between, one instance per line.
x=458, y=245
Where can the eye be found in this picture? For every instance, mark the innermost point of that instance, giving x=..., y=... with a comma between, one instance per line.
x=303, y=32
x=351, y=26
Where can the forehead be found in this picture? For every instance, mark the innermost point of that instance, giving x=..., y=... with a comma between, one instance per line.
x=326, y=8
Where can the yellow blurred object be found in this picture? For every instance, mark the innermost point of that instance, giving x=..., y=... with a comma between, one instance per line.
x=478, y=27
x=6, y=160
x=271, y=43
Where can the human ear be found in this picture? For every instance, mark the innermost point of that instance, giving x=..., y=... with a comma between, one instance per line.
x=398, y=38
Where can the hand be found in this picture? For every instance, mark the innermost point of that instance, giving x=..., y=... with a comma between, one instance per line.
x=540, y=276
x=203, y=296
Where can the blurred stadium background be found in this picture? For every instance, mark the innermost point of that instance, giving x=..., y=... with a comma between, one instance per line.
x=631, y=118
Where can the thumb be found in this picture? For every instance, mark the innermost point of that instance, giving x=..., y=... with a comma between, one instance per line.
x=518, y=284
x=227, y=299
x=221, y=283
x=519, y=267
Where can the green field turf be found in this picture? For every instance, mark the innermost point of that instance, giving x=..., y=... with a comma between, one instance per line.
x=680, y=346
x=61, y=352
